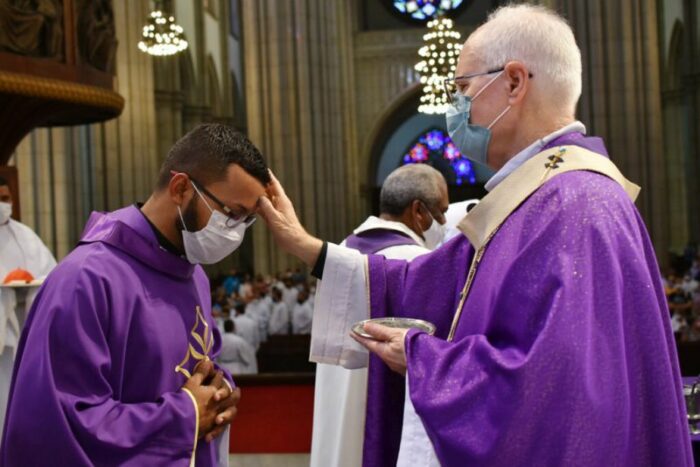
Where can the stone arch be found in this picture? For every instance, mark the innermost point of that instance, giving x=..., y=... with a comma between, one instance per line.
x=403, y=106
x=188, y=78
x=212, y=89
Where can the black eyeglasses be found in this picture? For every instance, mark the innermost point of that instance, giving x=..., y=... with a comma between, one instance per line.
x=233, y=220
x=450, y=84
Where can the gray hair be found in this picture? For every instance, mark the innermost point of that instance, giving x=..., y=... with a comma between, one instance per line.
x=542, y=40
x=409, y=183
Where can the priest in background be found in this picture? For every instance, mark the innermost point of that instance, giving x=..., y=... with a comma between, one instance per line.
x=20, y=248
x=412, y=204
x=553, y=343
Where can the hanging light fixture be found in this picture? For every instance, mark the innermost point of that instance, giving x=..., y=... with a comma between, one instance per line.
x=161, y=35
x=439, y=58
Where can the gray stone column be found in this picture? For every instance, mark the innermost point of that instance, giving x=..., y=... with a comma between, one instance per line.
x=621, y=99
x=299, y=92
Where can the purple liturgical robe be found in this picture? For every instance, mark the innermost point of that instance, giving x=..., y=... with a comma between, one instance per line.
x=109, y=341
x=563, y=354
x=372, y=241
x=385, y=388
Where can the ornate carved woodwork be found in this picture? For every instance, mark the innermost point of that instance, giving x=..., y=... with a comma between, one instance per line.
x=56, y=66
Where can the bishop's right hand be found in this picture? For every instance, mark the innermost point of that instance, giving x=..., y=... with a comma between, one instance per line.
x=290, y=235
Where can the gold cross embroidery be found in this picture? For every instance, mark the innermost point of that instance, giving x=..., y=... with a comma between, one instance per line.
x=553, y=164
x=204, y=340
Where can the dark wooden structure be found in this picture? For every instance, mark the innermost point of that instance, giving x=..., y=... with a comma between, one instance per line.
x=57, y=64
x=285, y=354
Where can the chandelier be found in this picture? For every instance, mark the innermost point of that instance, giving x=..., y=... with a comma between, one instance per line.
x=161, y=35
x=439, y=58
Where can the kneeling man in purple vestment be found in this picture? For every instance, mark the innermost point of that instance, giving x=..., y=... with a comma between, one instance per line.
x=114, y=366
x=553, y=344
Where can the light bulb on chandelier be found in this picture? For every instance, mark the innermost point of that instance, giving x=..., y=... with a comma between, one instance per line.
x=439, y=57
x=161, y=36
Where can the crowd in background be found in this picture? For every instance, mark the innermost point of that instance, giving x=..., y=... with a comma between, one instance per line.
x=682, y=287
x=248, y=311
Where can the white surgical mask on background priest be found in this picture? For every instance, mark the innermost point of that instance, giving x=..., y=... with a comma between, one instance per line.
x=20, y=247
x=424, y=215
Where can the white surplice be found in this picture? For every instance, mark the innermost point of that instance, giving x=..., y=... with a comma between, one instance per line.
x=20, y=248
x=279, y=320
x=340, y=398
x=237, y=355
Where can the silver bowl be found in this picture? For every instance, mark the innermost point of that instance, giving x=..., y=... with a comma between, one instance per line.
x=399, y=323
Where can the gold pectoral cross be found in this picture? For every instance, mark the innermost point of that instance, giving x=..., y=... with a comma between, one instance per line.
x=204, y=341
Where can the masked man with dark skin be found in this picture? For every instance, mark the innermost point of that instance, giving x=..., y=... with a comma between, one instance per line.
x=115, y=364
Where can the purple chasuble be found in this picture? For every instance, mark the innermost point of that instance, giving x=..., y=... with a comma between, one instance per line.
x=564, y=353
x=104, y=353
x=385, y=388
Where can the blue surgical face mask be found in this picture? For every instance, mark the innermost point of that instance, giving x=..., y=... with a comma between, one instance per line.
x=471, y=140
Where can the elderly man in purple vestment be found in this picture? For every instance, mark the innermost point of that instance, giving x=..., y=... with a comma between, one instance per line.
x=114, y=366
x=412, y=206
x=553, y=344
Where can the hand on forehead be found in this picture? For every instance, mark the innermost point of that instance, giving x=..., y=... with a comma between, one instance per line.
x=239, y=191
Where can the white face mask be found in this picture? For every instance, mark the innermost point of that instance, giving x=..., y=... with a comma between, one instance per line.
x=5, y=212
x=434, y=235
x=215, y=241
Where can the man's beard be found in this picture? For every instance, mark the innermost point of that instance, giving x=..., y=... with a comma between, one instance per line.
x=189, y=215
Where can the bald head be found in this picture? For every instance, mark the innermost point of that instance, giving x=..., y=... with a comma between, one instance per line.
x=409, y=183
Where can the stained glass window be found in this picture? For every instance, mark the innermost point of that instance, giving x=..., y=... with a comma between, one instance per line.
x=425, y=9
x=437, y=149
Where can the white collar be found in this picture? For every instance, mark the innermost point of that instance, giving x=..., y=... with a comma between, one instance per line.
x=520, y=158
x=374, y=222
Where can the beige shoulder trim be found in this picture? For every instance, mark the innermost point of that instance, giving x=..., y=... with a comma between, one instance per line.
x=482, y=222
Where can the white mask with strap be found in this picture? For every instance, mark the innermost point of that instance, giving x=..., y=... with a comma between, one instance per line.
x=215, y=241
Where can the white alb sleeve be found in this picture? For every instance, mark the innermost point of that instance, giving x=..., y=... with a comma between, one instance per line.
x=342, y=299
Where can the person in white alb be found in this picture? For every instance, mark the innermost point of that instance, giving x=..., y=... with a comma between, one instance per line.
x=20, y=248
x=302, y=314
x=279, y=317
x=237, y=356
x=247, y=327
x=260, y=309
x=413, y=200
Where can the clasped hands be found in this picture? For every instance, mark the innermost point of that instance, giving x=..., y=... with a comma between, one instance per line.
x=216, y=400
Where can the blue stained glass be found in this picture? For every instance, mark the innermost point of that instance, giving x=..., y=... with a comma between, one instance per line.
x=451, y=152
x=401, y=6
x=423, y=9
x=436, y=148
x=435, y=140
